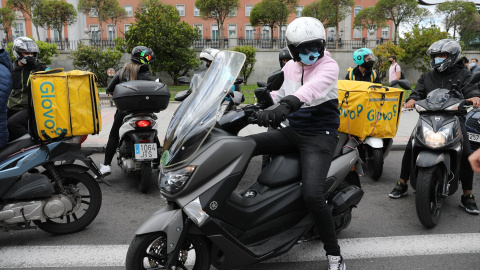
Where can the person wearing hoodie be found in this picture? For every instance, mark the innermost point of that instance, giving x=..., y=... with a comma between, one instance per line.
x=446, y=69
x=308, y=98
x=26, y=62
x=5, y=88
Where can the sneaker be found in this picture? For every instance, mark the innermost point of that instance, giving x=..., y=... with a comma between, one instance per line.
x=468, y=202
x=336, y=263
x=105, y=169
x=399, y=190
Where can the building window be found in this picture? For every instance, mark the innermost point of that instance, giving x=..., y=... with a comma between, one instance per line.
x=233, y=12
x=232, y=30
x=299, y=10
x=249, y=32
x=248, y=9
x=181, y=10
x=94, y=31
x=386, y=32
x=356, y=10
x=266, y=32
x=126, y=27
x=357, y=32
x=330, y=33
x=56, y=36
x=214, y=32
x=196, y=11
x=93, y=13
x=128, y=10
x=111, y=32
x=19, y=29
x=200, y=28
x=283, y=30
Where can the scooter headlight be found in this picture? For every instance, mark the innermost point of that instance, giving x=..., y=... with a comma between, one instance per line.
x=173, y=182
x=440, y=138
x=195, y=212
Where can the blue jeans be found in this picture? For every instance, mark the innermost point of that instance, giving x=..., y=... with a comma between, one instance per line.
x=316, y=154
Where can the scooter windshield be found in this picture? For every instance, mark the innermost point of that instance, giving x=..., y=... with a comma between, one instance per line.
x=197, y=115
x=437, y=98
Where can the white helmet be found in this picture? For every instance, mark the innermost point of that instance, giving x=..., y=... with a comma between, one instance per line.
x=305, y=31
x=208, y=54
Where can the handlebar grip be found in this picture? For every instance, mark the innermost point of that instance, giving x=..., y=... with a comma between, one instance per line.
x=468, y=103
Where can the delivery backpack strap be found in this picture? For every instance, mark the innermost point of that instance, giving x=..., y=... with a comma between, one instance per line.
x=345, y=100
x=379, y=114
x=351, y=76
x=373, y=75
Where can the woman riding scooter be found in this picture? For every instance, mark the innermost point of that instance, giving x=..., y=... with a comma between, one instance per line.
x=136, y=69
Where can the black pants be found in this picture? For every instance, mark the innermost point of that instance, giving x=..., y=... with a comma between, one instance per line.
x=17, y=124
x=466, y=172
x=316, y=153
x=114, y=137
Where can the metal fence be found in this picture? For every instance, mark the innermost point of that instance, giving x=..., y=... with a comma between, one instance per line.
x=209, y=43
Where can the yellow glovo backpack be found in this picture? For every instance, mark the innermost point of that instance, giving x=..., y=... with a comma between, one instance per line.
x=64, y=104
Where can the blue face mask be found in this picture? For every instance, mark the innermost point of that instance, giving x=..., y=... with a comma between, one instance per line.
x=472, y=64
x=439, y=60
x=305, y=58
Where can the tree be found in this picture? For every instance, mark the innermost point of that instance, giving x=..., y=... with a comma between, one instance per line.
x=369, y=18
x=330, y=13
x=420, y=17
x=217, y=10
x=55, y=14
x=272, y=13
x=250, y=61
x=382, y=53
x=158, y=27
x=27, y=7
x=7, y=18
x=416, y=43
x=397, y=11
x=107, y=10
x=45, y=53
x=456, y=12
x=96, y=60
x=470, y=33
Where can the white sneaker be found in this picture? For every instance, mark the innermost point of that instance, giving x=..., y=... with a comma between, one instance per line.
x=105, y=169
x=336, y=263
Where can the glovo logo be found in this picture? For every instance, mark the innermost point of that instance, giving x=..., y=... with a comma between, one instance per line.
x=380, y=116
x=47, y=89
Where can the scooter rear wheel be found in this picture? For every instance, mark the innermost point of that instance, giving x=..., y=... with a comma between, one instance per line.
x=91, y=201
x=428, y=197
x=374, y=159
x=149, y=251
x=145, y=177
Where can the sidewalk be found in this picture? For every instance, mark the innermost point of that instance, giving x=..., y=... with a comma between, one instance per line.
x=98, y=142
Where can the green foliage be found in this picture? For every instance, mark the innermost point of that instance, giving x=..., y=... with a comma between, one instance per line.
x=27, y=7
x=369, y=18
x=45, y=54
x=382, y=53
x=470, y=33
x=416, y=42
x=217, y=10
x=55, y=14
x=397, y=11
x=108, y=10
x=170, y=39
x=250, y=61
x=120, y=44
x=96, y=60
x=456, y=13
x=7, y=18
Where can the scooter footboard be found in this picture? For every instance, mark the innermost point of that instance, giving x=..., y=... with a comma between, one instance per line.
x=168, y=220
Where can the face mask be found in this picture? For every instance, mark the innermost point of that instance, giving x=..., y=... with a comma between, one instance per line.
x=309, y=59
x=439, y=60
x=472, y=64
x=28, y=60
x=390, y=61
x=368, y=65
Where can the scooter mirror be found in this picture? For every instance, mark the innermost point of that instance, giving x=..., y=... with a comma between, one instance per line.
x=262, y=84
x=405, y=84
x=183, y=80
x=238, y=80
x=275, y=80
x=182, y=95
x=475, y=78
x=263, y=97
x=238, y=98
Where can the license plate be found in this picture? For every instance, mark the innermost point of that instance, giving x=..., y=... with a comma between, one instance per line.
x=146, y=151
x=473, y=137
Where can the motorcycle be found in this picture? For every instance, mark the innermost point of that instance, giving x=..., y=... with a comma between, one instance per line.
x=374, y=150
x=205, y=221
x=139, y=147
x=39, y=183
x=437, y=142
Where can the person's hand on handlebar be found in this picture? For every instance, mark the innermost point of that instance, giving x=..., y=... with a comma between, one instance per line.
x=475, y=101
x=410, y=104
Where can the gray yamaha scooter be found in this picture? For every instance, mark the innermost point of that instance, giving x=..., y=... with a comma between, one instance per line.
x=206, y=222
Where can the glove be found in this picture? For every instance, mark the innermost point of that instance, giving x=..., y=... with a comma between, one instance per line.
x=293, y=102
x=273, y=115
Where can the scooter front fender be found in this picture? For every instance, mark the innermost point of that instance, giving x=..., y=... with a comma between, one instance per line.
x=427, y=159
x=374, y=142
x=168, y=220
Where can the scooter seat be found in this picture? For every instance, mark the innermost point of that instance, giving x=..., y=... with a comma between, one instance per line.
x=282, y=170
x=15, y=146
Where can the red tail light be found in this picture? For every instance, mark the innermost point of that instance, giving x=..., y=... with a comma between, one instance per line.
x=144, y=141
x=143, y=123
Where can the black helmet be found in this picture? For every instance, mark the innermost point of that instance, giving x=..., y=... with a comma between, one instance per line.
x=142, y=55
x=284, y=55
x=22, y=45
x=449, y=46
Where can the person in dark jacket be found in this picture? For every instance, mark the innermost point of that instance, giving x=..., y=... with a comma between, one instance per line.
x=5, y=88
x=136, y=69
x=364, y=71
x=26, y=62
x=446, y=70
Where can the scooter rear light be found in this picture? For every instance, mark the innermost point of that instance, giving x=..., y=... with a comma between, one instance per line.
x=144, y=141
x=143, y=123
x=195, y=212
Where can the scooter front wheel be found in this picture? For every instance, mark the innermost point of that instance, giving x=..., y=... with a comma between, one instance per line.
x=149, y=251
x=428, y=197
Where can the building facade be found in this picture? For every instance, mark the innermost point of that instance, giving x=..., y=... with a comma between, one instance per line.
x=237, y=28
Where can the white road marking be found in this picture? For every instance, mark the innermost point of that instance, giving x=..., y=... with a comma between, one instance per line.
x=353, y=248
